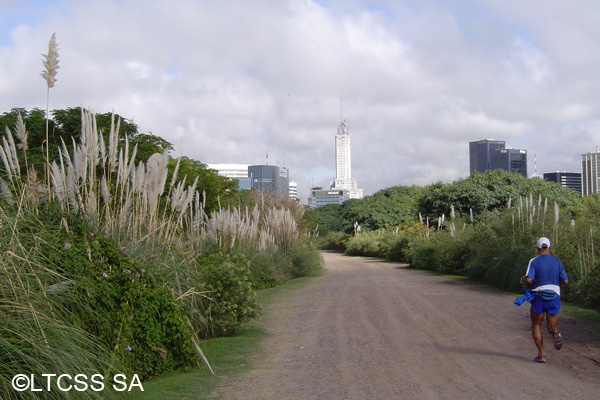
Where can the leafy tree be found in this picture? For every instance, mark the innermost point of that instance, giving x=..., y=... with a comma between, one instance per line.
x=218, y=189
x=328, y=218
x=385, y=208
x=35, y=123
x=489, y=191
x=66, y=124
x=149, y=144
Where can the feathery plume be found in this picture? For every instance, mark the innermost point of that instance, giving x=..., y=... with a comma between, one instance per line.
x=6, y=192
x=51, y=62
x=21, y=133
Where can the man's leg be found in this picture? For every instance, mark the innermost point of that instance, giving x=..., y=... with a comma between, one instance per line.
x=552, y=325
x=551, y=321
x=536, y=330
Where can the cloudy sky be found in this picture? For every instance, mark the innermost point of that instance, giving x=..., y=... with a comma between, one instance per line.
x=231, y=81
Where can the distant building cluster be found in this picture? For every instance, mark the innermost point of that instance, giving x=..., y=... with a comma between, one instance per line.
x=343, y=187
x=490, y=154
x=264, y=178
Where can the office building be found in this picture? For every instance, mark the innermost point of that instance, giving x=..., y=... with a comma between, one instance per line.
x=590, y=173
x=490, y=154
x=293, y=192
x=571, y=180
x=320, y=197
x=270, y=179
x=264, y=178
x=512, y=160
x=238, y=172
x=480, y=154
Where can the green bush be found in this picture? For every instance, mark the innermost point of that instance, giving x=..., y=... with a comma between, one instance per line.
x=586, y=291
x=421, y=253
x=333, y=241
x=232, y=297
x=108, y=294
x=143, y=323
x=365, y=244
x=305, y=261
x=396, y=248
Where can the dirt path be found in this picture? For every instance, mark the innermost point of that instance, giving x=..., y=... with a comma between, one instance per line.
x=368, y=329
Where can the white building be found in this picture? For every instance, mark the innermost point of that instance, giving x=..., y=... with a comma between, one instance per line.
x=231, y=170
x=590, y=173
x=343, y=164
x=234, y=171
x=293, y=190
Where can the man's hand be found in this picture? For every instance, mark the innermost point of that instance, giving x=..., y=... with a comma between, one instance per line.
x=526, y=282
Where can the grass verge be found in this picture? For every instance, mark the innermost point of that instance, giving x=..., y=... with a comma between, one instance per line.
x=228, y=356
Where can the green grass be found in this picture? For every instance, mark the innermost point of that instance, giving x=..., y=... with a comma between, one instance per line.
x=228, y=356
x=587, y=319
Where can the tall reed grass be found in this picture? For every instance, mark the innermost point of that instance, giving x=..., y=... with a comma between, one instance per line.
x=190, y=257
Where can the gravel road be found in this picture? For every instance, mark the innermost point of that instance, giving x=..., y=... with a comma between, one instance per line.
x=368, y=329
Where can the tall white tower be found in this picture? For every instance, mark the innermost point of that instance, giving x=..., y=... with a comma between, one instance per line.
x=343, y=164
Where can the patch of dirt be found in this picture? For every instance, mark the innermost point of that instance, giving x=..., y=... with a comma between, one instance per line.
x=367, y=329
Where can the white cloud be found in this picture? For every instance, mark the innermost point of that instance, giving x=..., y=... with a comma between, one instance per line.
x=229, y=81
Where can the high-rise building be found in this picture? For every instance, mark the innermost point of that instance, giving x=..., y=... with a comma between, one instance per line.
x=343, y=164
x=590, y=173
x=512, y=160
x=479, y=154
x=490, y=154
x=270, y=179
x=238, y=172
x=320, y=197
x=293, y=192
x=571, y=180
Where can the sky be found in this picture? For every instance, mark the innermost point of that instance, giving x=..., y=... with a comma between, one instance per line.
x=231, y=81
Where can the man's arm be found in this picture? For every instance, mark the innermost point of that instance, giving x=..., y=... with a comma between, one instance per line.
x=528, y=282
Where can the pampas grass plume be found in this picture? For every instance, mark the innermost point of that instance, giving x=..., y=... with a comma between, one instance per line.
x=51, y=62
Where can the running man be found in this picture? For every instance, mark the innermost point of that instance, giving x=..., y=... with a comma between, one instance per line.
x=545, y=273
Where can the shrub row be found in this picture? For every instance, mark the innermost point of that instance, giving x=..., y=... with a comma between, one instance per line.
x=495, y=250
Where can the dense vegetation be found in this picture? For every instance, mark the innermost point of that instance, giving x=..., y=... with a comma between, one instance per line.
x=114, y=257
x=483, y=226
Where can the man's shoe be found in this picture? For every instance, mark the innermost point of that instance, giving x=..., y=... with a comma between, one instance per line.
x=541, y=358
x=556, y=338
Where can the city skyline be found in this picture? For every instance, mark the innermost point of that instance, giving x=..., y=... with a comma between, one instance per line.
x=224, y=81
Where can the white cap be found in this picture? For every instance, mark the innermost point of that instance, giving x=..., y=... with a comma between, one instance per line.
x=543, y=242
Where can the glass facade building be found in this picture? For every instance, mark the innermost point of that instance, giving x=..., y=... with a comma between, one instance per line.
x=512, y=160
x=571, y=180
x=490, y=154
x=270, y=179
x=479, y=154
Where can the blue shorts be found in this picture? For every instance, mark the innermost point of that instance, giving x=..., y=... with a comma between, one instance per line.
x=541, y=306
